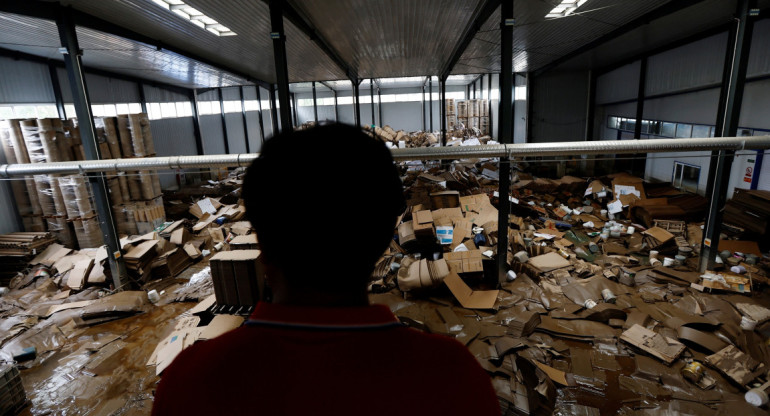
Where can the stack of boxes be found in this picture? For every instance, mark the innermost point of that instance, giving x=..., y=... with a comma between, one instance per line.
x=451, y=117
x=239, y=280
x=473, y=114
x=63, y=204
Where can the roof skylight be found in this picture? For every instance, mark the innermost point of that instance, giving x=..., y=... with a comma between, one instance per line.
x=195, y=17
x=565, y=8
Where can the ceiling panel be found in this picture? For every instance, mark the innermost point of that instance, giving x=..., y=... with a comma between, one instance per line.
x=111, y=53
x=249, y=52
x=538, y=41
x=391, y=38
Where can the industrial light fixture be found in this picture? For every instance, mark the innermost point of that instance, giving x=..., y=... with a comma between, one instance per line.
x=565, y=8
x=195, y=17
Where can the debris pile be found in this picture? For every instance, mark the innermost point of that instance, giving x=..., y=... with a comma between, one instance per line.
x=601, y=303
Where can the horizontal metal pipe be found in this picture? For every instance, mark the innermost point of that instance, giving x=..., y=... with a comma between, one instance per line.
x=422, y=153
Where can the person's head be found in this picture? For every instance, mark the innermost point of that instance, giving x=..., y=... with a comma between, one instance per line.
x=324, y=203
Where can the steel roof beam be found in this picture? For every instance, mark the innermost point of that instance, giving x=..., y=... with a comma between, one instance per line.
x=49, y=11
x=290, y=13
x=480, y=16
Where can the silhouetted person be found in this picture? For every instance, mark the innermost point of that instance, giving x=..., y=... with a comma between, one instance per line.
x=324, y=203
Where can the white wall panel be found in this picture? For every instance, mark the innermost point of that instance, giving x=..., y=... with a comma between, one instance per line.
x=24, y=82
x=755, y=110
x=162, y=95
x=558, y=107
x=211, y=133
x=693, y=65
x=698, y=107
x=759, y=57
x=236, y=137
x=173, y=137
x=618, y=85
x=617, y=110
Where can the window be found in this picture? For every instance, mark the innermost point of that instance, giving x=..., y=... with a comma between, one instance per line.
x=251, y=105
x=701, y=131
x=233, y=106
x=153, y=111
x=667, y=129
x=683, y=131
x=167, y=110
x=685, y=177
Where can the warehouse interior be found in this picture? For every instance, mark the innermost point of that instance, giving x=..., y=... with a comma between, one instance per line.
x=584, y=180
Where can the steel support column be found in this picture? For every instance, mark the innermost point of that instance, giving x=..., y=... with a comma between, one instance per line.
x=97, y=181
x=245, y=123
x=273, y=111
x=639, y=162
x=356, y=102
x=295, y=118
x=430, y=102
x=281, y=66
x=56, y=85
x=489, y=103
x=590, y=106
x=506, y=134
x=142, y=98
x=371, y=97
x=259, y=115
x=379, y=106
x=336, y=108
x=721, y=161
x=315, y=105
x=224, y=121
x=423, y=106
x=442, y=87
x=196, y=122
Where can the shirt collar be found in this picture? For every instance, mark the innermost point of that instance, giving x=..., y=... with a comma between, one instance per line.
x=303, y=315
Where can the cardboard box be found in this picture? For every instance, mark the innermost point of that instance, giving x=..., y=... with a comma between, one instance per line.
x=447, y=199
x=422, y=224
x=447, y=216
x=465, y=261
x=244, y=242
x=406, y=233
x=238, y=277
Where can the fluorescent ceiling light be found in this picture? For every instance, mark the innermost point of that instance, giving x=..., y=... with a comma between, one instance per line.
x=195, y=17
x=565, y=8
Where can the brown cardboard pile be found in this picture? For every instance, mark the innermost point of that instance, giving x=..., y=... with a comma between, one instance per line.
x=582, y=275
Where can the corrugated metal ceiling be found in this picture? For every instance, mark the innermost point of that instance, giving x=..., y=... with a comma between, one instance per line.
x=538, y=41
x=111, y=53
x=391, y=38
x=250, y=52
x=377, y=38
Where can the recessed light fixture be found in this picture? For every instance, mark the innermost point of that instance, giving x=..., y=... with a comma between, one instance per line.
x=565, y=8
x=195, y=17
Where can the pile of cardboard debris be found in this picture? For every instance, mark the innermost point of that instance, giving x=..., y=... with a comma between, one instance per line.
x=456, y=136
x=600, y=302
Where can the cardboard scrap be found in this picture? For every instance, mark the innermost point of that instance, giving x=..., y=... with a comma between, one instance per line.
x=736, y=365
x=548, y=262
x=662, y=347
x=469, y=298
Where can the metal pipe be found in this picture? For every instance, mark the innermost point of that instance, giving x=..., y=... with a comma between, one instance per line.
x=421, y=153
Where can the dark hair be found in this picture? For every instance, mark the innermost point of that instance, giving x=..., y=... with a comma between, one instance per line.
x=324, y=203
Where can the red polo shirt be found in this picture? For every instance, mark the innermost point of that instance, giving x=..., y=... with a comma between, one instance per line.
x=325, y=361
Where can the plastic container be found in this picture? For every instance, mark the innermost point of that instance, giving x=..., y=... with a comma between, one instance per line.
x=668, y=261
x=653, y=254
x=153, y=296
x=756, y=397
x=511, y=275
x=589, y=304
x=608, y=296
x=679, y=260
x=738, y=269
